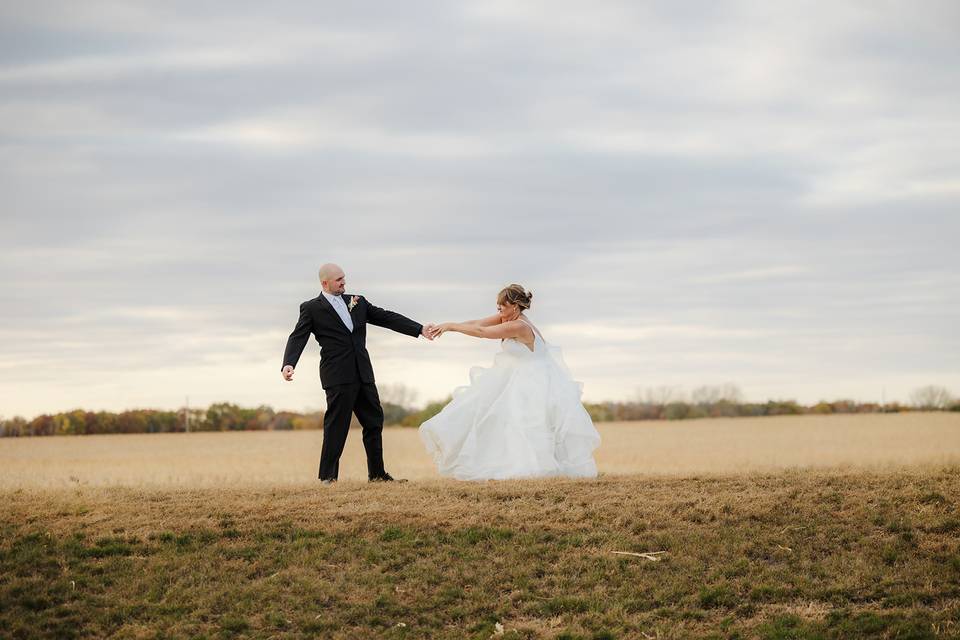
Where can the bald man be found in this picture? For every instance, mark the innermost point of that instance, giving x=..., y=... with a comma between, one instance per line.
x=339, y=323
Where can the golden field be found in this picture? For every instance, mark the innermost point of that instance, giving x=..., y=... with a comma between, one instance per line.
x=230, y=459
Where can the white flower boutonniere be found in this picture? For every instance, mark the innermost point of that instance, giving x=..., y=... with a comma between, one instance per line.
x=353, y=302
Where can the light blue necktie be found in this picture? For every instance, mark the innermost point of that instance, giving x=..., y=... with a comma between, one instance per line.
x=343, y=312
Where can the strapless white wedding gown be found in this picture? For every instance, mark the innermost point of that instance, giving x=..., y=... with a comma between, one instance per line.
x=520, y=418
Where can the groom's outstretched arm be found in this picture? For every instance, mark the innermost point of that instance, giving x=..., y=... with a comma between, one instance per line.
x=298, y=338
x=394, y=321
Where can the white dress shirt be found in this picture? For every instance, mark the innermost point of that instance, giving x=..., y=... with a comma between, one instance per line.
x=341, y=308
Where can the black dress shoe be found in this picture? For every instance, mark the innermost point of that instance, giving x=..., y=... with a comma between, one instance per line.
x=328, y=481
x=386, y=477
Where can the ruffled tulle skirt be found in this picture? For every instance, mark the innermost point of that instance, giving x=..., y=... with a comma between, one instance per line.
x=520, y=418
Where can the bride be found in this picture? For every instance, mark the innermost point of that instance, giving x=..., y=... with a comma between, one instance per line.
x=520, y=418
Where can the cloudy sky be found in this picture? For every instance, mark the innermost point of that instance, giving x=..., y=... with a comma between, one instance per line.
x=760, y=193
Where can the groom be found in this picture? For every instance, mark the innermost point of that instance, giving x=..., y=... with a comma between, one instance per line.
x=339, y=323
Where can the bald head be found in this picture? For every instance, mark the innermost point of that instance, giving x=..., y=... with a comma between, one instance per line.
x=332, y=279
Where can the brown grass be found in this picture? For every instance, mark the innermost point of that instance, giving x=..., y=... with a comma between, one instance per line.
x=291, y=457
x=796, y=554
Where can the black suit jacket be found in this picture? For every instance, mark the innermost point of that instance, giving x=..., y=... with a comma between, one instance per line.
x=343, y=355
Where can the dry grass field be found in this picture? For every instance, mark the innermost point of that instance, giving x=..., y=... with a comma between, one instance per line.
x=722, y=446
x=789, y=528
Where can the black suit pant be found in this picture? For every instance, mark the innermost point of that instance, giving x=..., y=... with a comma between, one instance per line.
x=343, y=400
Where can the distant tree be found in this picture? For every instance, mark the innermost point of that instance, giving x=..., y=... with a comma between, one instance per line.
x=397, y=394
x=131, y=422
x=432, y=409
x=894, y=407
x=844, y=406
x=662, y=395
x=600, y=412
x=63, y=425
x=13, y=427
x=263, y=418
x=823, y=407
x=724, y=409
x=42, y=425
x=394, y=413
x=709, y=395
x=783, y=408
x=283, y=421
x=103, y=422
x=677, y=411
x=225, y=416
x=398, y=402
x=931, y=397
x=163, y=421
x=308, y=421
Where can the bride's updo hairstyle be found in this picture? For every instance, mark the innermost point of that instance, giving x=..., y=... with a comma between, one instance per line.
x=515, y=294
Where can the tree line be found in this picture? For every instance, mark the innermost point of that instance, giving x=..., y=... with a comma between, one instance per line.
x=662, y=403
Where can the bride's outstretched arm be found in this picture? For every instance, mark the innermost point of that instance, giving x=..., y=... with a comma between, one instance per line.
x=489, y=321
x=512, y=329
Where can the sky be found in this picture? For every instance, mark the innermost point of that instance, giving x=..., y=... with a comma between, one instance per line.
x=697, y=193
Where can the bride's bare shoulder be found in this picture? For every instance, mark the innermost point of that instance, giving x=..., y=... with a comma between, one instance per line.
x=533, y=330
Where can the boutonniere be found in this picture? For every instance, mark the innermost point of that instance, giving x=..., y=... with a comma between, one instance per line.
x=353, y=302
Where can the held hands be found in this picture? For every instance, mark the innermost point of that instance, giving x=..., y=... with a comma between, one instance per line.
x=431, y=331
x=440, y=329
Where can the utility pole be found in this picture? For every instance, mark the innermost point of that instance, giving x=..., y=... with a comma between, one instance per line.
x=186, y=415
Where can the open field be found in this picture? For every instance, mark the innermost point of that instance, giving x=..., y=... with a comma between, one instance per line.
x=783, y=528
x=291, y=457
x=796, y=554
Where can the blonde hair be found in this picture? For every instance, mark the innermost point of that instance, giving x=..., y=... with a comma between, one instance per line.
x=515, y=294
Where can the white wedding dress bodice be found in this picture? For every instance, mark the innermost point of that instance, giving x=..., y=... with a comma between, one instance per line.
x=520, y=418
